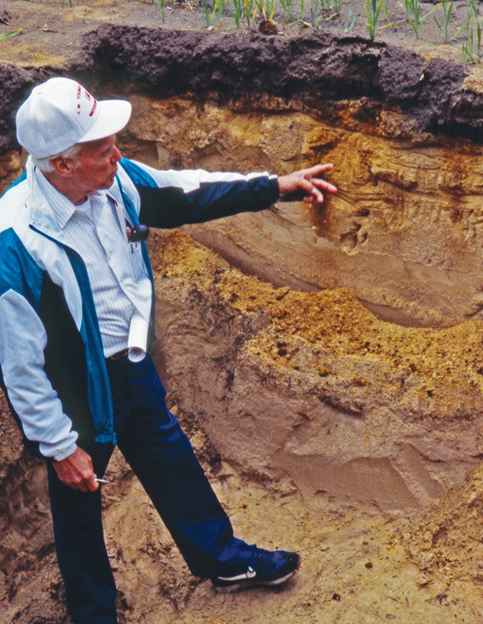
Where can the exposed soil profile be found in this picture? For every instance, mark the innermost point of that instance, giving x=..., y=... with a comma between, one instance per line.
x=325, y=362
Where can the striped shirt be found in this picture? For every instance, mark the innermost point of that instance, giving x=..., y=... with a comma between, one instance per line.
x=96, y=230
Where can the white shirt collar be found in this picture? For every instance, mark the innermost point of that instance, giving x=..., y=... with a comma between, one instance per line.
x=61, y=206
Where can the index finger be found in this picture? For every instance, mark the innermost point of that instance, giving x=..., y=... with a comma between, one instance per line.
x=318, y=169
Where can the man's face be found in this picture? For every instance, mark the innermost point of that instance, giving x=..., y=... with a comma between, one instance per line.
x=97, y=165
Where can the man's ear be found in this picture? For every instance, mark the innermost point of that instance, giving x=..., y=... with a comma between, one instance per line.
x=63, y=166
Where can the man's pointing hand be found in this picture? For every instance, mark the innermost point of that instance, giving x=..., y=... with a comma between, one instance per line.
x=307, y=184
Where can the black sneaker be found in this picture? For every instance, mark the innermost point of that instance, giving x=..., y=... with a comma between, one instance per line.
x=266, y=567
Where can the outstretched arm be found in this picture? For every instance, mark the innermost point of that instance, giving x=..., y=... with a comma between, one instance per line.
x=168, y=199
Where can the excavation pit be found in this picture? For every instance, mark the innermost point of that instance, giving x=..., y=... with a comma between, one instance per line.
x=324, y=360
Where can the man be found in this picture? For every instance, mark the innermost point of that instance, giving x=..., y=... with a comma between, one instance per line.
x=73, y=277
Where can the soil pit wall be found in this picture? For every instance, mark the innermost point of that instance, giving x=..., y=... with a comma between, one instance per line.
x=384, y=420
x=404, y=234
x=311, y=391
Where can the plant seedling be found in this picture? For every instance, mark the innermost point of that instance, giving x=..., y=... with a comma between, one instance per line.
x=287, y=10
x=373, y=12
x=11, y=33
x=412, y=9
x=349, y=25
x=447, y=11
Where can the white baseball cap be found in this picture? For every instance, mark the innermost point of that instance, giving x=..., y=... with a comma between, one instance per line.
x=60, y=113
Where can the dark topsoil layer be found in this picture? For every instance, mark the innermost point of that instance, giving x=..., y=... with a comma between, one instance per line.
x=315, y=67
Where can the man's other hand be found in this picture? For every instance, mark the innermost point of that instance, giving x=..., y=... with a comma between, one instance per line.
x=307, y=181
x=77, y=472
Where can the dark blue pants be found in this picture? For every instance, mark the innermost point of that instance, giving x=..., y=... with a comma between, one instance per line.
x=162, y=458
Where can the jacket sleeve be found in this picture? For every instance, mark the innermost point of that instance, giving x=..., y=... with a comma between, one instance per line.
x=175, y=198
x=22, y=343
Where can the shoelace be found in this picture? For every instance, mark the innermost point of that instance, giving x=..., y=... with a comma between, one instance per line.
x=259, y=554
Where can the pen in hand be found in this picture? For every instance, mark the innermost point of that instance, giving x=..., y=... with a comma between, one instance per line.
x=105, y=481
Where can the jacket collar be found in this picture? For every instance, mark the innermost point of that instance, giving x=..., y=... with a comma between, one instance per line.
x=42, y=216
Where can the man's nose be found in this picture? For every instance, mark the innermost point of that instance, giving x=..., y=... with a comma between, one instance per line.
x=116, y=155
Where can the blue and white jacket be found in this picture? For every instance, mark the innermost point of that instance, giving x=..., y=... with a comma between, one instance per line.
x=52, y=365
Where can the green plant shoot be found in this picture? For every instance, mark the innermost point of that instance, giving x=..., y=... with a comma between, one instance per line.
x=373, y=12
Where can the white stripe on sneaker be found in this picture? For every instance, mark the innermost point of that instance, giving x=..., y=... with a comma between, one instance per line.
x=249, y=574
